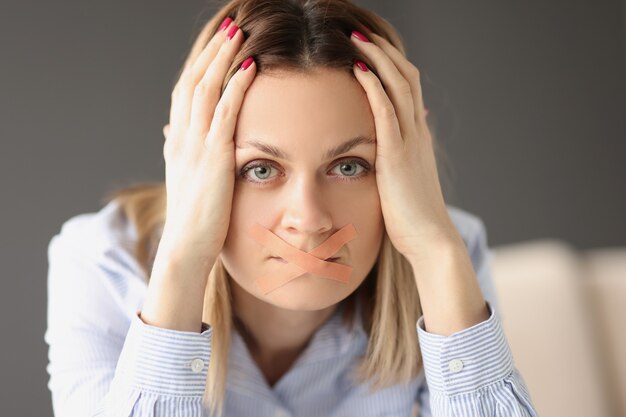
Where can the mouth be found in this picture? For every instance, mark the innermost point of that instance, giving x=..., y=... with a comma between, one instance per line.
x=279, y=259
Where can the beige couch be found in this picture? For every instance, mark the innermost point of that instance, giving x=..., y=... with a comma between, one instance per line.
x=564, y=314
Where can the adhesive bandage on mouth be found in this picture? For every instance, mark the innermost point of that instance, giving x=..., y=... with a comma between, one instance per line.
x=300, y=262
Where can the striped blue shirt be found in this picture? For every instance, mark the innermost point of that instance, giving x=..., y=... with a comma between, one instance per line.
x=105, y=361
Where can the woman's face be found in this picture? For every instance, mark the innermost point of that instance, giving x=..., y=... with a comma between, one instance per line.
x=304, y=196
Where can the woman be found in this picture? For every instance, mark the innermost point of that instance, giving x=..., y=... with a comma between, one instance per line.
x=299, y=259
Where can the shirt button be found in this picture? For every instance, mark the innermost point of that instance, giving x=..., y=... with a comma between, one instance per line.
x=197, y=365
x=455, y=365
x=280, y=413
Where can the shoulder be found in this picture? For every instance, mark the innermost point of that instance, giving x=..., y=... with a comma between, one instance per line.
x=102, y=229
x=105, y=235
x=96, y=250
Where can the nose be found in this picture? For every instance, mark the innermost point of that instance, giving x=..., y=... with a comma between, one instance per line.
x=306, y=210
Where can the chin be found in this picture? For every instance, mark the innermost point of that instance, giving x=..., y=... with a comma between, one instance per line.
x=307, y=292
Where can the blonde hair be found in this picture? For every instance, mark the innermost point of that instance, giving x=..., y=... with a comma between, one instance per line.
x=297, y=35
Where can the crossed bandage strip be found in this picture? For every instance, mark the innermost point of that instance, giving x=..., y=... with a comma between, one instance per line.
x=300, y=262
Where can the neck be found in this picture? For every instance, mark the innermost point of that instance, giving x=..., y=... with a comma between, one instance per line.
x=272, y=332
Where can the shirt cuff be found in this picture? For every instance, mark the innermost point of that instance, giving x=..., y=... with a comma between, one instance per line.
x=466, y=360
x=164, y=361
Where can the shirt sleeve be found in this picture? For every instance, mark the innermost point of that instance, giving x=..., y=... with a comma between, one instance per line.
x=85, y=327
x=161, y=372
x=103, y=359
x=471, y=372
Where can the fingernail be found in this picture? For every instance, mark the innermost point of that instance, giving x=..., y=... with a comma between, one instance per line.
x=361, y=65
x=225, y=23
x=246, y=63
x=234, y=28
x=359, y=36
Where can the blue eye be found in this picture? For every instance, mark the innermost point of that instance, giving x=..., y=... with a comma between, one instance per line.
x=260, y=171
x=348, y=171
x=348, y=168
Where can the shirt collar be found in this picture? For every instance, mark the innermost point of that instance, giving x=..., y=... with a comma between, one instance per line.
x=332, y=339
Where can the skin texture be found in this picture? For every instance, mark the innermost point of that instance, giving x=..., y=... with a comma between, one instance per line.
x=303, y=199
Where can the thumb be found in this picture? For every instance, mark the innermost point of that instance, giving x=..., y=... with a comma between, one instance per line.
x=166, y=130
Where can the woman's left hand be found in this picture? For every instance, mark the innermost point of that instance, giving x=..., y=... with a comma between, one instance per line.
x=415, y=214
x=412, y=202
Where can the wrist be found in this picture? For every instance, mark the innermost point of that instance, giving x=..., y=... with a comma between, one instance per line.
x=449, y=292
x=176, y=291
x=437, y=248
x=177, y=253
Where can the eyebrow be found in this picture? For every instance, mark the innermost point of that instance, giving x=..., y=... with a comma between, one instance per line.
x=331, y=153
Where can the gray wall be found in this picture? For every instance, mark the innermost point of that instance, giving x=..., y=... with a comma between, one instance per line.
x=529, y=100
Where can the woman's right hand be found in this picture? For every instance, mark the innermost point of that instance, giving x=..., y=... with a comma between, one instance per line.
x=199, y=153
x=199, y=150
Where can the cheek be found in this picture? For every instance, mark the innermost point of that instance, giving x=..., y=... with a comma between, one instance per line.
x=358, y=205
x=355, y=197
x=247, y=208
x=371, y=228
x=241, y=255
x=362, y=208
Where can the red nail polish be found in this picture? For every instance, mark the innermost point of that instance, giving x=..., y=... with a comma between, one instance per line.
x=231, y=32
x=361, y=65
x=225, y=23
x=359, y=36
x=246, y=63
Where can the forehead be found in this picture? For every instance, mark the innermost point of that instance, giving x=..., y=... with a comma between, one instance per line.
x=290, y=107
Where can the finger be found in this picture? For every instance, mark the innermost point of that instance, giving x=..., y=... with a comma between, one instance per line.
x=207, y=92
x=397, y=86
x=408, y=71
x=191, y=75
x=224, y=120
x=388, y=135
